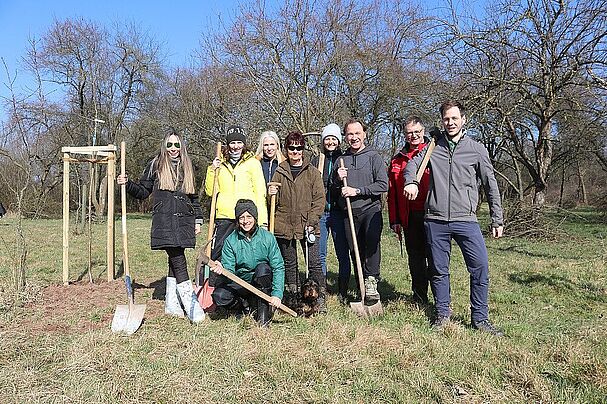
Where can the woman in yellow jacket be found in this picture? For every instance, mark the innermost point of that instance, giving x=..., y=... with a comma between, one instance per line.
x=239, y=177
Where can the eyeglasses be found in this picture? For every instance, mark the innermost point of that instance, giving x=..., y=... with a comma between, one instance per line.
x=176, y=144
x=295, y=148
x=415, y=132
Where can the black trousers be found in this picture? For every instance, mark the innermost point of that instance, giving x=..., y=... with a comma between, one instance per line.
x=223, y=228
x=178, y=266
x=288, y=250
x=231, y=295
x=415, y=242
x=368, y=227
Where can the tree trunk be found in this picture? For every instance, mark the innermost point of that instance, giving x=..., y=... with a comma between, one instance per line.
x=562, y=191
x=539, y=198
x=581, y=191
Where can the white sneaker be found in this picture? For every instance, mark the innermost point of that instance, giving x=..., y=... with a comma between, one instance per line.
x=371, y=293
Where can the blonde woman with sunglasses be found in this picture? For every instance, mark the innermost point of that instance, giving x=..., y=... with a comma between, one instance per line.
x=176, y=219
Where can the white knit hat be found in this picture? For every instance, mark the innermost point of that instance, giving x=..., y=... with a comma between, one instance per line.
x=331, y=129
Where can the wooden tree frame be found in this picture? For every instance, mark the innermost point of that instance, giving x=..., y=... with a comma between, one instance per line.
x=97, y=155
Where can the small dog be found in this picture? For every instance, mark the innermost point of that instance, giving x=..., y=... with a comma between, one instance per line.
x=308, y=306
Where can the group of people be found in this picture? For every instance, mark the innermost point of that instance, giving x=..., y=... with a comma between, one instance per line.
x=309, y=201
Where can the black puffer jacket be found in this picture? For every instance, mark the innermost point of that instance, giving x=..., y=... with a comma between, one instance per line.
x=174, y=214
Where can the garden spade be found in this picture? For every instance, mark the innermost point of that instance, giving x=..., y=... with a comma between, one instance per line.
x=360, y=308
x=128, y=317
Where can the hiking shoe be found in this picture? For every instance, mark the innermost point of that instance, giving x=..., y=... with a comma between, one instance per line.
x=342, y=299
x=322, y=305
x=371, y=293
x=440, y=322
x=487, y=327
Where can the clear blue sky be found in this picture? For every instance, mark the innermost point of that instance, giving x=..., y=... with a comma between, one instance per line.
x=176, y=24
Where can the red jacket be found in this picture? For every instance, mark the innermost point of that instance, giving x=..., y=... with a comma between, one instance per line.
x=398, y=205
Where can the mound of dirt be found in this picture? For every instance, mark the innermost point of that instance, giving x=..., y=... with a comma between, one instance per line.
x=82, y=306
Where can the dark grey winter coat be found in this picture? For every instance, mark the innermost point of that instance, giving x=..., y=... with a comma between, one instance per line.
x=174, y=213
x=455, y=180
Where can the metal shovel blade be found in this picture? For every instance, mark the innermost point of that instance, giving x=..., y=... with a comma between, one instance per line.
x=362, y=310
x=128, y=317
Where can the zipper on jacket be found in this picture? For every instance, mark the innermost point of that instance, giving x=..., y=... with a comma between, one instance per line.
x=450, y=178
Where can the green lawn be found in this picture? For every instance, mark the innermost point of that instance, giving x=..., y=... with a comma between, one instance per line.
x=550, y=297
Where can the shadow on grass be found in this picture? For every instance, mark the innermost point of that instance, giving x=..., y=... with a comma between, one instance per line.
x=591, y=292
x=159, y=287
x=521, y=250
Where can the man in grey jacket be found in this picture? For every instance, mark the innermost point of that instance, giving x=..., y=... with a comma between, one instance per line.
x=458, y=166
x=367, y=180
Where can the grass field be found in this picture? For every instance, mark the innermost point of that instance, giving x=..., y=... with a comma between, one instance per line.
x=550, y=297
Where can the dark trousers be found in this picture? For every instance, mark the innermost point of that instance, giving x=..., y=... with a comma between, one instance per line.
x=470, y=240
x=231, y=295
x=368, y=227
x=288, y=250
x=415, y=243
x=223, y=228
x=178, y=266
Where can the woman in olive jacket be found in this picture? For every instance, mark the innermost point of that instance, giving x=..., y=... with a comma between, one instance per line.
x=299, y=205
x=176, y=218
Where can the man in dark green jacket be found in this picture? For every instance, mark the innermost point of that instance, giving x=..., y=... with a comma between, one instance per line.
x=250, y=252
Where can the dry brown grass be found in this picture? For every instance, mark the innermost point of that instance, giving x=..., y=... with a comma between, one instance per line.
x=56, y=345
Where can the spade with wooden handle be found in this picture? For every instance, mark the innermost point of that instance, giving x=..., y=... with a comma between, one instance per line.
x=128, y=317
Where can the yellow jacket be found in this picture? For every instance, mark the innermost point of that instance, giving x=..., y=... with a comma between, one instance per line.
x=244, y=181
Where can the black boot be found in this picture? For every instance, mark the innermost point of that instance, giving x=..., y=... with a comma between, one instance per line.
x=263, y=313
x=342, y=290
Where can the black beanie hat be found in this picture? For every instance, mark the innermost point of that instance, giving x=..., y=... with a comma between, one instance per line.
x=245, y=205
x=235, y=133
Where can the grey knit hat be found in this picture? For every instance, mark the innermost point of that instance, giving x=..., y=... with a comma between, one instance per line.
x=245, y=205
x=331, y=129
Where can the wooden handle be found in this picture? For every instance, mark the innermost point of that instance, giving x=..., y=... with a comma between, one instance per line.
x=321, y=163
x=359, y=266
x=247, y=286
x=272, y=208
x=272, y=213
x=422, y=166
x=125, y=247
x=213, y=202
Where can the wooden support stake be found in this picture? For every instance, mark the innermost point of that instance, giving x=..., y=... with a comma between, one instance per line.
x=111, y=180
x=66, y=217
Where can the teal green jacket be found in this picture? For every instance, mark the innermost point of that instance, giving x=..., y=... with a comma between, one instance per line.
x=241, y=255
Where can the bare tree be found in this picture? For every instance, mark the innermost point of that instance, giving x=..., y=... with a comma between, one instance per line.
x=529, y=62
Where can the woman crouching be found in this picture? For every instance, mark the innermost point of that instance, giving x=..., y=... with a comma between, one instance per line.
x=252, y=254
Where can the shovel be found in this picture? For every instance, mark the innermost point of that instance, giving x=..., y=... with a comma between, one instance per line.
x=128, y=317
x=272, y=208
x=204, y=291
x=205, y=260
x=360, y=308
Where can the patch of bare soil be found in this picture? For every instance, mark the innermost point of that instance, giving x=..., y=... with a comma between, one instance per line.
x=82, y=306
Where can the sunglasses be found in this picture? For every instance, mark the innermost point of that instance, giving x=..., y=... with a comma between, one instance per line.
x=176, y=144
x=295, y=148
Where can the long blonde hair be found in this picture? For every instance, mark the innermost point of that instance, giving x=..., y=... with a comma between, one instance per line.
x=168, y=177
x=268, y=133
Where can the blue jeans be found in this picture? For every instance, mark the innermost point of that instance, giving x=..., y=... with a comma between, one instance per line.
x=470, y=240
x=334, y=221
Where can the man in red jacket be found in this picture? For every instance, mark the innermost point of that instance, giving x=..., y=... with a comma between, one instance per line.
x=407, y=217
